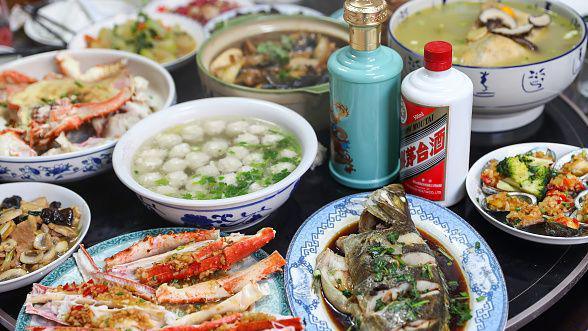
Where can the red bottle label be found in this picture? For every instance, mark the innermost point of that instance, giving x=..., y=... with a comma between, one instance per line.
x=423, y=149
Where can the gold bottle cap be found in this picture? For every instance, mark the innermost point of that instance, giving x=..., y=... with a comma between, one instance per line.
x=365, y=12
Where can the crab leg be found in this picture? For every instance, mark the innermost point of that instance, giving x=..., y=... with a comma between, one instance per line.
x=10, y=77
x=219, y=255
x=206, y=326
x=66, y=328
x=151, y=246
x=90, y=270
x=221, y=288
x=127, y=270
x=234, y=322
x=71, y=68
x=239, y=302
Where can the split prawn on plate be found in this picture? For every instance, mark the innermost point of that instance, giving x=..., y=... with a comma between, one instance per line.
x=71, y=109
x=194, y=280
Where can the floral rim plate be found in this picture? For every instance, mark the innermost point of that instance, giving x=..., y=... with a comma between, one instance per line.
x=274, y=303
x=479, y=265
x=473, y=187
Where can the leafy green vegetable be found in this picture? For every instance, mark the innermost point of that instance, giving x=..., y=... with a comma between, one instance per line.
x=162, y=182
x=275, y=51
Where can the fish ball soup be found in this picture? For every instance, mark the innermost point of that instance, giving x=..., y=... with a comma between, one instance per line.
x=216, y=158
x=490, y=34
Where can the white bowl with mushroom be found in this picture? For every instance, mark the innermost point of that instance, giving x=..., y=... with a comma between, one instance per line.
x=38, y=251
x=507, y=95
x=224, y=187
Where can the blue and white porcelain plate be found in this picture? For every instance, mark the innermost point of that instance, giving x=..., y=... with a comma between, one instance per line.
x=275, y=303
x=479, y=265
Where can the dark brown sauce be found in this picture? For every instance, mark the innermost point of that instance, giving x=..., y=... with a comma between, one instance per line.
x=450, y=270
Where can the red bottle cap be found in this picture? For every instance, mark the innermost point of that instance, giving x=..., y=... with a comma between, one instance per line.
x=438, y=56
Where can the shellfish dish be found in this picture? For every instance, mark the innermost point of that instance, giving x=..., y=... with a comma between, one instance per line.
x=277, y=61
x=216, y=158
x=538, y=193
x=172, y=281
x=201, y=10
x=491, y=33
x=145, y=36
x=382, y=273
x=34, y=234
x=71, y=109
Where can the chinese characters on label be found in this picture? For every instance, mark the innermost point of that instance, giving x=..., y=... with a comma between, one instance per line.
x=423, y=150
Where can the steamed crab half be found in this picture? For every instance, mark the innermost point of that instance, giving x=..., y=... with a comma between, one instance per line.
x=70, y=110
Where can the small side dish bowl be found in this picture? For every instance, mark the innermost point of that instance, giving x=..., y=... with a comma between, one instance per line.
x=68, y=198
x=506, y=97
x=312, y=102
x=229, y=214
x=474, y=191
x=88, y=162
x=193, y=28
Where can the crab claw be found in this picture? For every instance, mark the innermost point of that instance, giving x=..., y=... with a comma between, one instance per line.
x=11, y=144
x=151, y=246
x=71, y=68
x=218, y=255
x=217, y=289
x=65, y=116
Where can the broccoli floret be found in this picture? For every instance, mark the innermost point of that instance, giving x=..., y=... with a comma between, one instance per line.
x=534, y=161
x=514, y=168
x=537, y=183
x=528, y=178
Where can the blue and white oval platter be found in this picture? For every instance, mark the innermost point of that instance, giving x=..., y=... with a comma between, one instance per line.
x=274, y=303
x=488, y=297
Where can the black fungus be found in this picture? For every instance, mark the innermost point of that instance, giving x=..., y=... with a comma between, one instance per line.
x=56, y=216
x=55, y=205
x=20, y=219
x=11, y=202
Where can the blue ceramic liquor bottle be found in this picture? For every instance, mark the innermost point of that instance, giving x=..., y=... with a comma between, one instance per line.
x=365, y=101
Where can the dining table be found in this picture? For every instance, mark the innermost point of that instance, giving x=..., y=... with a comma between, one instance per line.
x=546, y=284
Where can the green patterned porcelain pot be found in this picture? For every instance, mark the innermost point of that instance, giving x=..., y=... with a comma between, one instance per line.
x=312, y=102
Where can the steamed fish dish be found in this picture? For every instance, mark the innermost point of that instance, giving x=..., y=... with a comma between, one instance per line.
x=385, y=275
x=529, y=192
x=284, y=61
x=147, y=37
x=34, y=234
x=174, y=281
x=491, y=34
x=70, y=110
x=216, y=158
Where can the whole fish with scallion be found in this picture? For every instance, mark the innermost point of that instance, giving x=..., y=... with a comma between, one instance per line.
x=387, y=275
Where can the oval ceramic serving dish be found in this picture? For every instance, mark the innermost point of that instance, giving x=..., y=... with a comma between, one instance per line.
x=91, y=161
x=479, y=266
x=31, y=191
x=274, y=303
x=474, y=190
x=193, y=28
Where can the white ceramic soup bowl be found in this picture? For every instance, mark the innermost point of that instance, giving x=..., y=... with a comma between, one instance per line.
x=506, y=97
x=88, y=162
x=193, y=28
x=68, y=198
x=229, y=214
